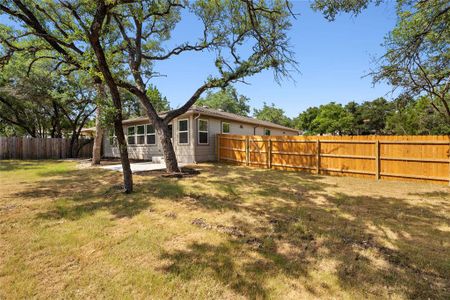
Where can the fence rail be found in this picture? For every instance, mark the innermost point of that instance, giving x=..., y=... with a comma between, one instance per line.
x=40, y=148
x=411, y=158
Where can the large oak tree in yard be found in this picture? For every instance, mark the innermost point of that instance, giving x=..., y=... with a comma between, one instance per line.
x=122, y=42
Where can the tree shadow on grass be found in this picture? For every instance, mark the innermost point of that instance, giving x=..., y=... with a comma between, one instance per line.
x=16, y=165
x=203, y=259
x=380, y=246
x=78, y=193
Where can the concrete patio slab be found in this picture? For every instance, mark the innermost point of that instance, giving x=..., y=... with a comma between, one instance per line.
x=139, y=167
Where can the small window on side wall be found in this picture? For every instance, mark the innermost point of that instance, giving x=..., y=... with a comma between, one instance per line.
x=131, y=138
x=151, y=135
x=266, y=131
x=225, y=127
x=203, y=132
x=140, y=136
x=183, y=131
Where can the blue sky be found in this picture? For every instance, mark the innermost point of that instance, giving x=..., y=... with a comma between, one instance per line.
x=333, y=57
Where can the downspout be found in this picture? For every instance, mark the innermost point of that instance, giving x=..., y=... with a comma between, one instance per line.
x=254, y=129
x=194, y=142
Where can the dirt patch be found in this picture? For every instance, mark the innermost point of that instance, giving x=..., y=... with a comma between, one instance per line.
x=170, y=215
x=185, y=172
x=234, y=231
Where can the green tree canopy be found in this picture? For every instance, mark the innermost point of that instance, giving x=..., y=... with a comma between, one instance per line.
x=372, y=116
x=415, y=117
x=304, y=120
x=272, y=114
x=228, y=100
x=332, y=118
x=39, y=103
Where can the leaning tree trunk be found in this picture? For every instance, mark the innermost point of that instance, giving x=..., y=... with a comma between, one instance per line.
x=115, y=95
x=162, y=129
x=97, y=148
x=122, y=144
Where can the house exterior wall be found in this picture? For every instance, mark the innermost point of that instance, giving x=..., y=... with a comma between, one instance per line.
x=208, y=152
x=193, y=151
x=184, y=152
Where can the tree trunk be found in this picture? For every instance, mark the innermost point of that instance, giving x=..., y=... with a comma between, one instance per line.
x=97, y=148
x=74, y=144
x=162, y=129
x=122, y=144
x=115, y=95
x=56, y=122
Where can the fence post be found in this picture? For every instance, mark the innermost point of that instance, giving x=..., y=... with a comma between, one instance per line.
x=247, y=150
x=318, y=156
x=269, y=155
x=377, y=160
x=218, y=147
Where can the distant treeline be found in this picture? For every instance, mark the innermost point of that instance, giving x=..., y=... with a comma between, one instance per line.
x=403, y=116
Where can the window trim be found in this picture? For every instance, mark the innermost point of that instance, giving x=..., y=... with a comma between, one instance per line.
x=147, y=134
x=207, y=132
x=267, y=129
x=229, y=128
x=187, y=131
x=134, y=136
x=138, y=135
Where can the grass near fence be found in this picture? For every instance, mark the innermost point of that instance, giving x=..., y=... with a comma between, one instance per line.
x=230, y=232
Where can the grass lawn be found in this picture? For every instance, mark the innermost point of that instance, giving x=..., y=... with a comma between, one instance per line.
x=229, y=233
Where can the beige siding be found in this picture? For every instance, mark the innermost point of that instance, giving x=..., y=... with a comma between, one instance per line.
x=208, y=152
x=274, y=131
x=193, y=151
x=184, y=152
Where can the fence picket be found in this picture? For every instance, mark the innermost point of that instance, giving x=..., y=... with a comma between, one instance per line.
x=39, y=148
x=411, y=158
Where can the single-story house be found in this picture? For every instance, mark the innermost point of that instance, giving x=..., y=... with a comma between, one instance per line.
x=193, y=134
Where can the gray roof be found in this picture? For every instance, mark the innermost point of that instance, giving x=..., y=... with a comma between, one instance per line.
x=221, y=115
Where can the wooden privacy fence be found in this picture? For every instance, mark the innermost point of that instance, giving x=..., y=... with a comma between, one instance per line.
x=39, y=148
x=412, y=158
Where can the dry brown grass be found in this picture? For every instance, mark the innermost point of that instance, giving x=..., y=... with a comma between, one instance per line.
x=230, y=232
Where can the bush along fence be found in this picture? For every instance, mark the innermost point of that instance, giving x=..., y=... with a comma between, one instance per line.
x=40, y=148
x=411, y=158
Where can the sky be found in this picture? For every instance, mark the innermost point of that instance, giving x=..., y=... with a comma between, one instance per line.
x=333, y=58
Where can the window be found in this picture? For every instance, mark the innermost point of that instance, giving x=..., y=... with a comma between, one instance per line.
x=266, y=131
x=225, y=127
x=151, y=136
x=183, y=131
x=140, y=134
x=131, y=135
x=203, y=131
x=112, y=137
